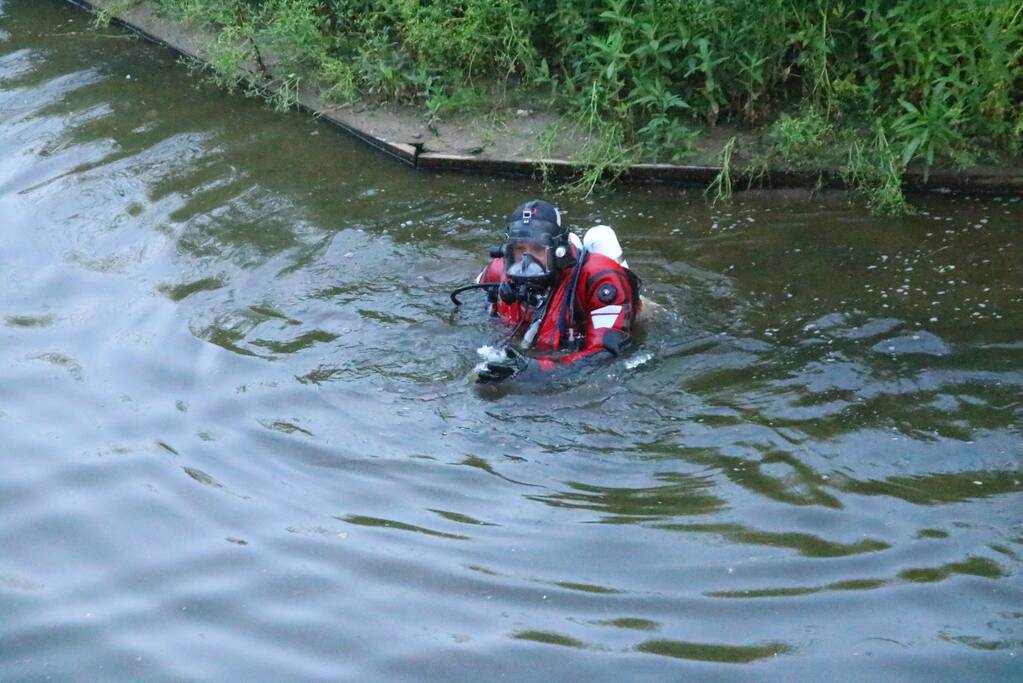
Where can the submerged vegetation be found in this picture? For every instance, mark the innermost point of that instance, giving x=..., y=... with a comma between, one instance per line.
x=868, y=86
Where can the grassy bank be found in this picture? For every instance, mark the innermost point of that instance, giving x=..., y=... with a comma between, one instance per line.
x=869, y=86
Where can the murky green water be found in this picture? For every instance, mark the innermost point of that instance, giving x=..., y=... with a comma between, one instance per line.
x=240, y=438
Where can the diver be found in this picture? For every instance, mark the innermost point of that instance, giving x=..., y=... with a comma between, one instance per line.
x=573, y=300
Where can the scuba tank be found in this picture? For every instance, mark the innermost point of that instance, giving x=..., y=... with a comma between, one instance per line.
x=601, y=239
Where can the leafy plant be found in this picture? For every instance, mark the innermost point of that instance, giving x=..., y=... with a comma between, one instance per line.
x=799, y=139
x=943, y=80
x=928, y=128
x=874, y=171
x=229, y=57
x=282, y=94
x=720, y=189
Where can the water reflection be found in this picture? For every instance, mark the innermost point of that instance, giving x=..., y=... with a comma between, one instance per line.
x=708, y=652
x=971, y=566
x=680, y=495
x=807, y=545
x=935, y=489
x=391, y=524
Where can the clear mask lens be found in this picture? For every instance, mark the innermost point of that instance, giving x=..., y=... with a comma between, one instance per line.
x=526, y=268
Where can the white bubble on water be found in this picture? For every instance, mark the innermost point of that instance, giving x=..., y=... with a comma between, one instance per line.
x=638, y=360
x=490, y=354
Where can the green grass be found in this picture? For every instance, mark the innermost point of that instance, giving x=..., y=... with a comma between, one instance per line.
x=801, y=138
x=874, y=172
x=874, y=86
x=720, y=189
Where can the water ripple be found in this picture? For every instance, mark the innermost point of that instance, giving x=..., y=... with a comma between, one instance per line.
x=241, y=436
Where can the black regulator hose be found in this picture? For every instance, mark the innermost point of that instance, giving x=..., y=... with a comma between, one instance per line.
x=476, y=285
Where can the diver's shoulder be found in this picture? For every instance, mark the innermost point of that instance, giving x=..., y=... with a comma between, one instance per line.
x=598, y=263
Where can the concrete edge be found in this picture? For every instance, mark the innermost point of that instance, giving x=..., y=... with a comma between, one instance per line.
x=406, y=153
x=938, y=180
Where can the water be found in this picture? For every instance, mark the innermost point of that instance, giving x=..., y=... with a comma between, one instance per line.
x=240, y=438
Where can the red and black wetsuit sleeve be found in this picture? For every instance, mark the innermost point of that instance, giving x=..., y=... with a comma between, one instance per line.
x=608, y=302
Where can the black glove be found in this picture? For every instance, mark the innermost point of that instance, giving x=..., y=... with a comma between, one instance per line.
x=513, y=364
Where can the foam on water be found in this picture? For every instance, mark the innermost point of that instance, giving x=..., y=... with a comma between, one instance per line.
x=488, y=354
x=638, y=360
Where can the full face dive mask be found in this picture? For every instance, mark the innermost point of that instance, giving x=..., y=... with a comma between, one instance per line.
x=528, y=278
x=535, y=250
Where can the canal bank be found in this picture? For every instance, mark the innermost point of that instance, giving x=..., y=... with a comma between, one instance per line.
x=528, y=141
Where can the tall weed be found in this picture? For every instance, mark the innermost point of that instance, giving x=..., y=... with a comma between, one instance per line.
x=944, y=80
